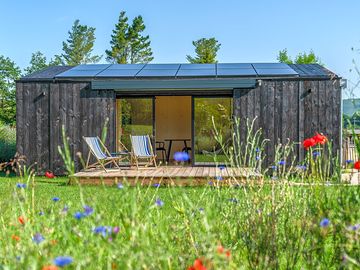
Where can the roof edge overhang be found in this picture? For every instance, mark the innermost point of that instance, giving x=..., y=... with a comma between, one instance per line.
x=126, y=85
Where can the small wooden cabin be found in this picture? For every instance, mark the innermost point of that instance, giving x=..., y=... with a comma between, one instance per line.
x=174, y=103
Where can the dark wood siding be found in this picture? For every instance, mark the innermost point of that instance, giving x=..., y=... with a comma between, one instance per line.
x=291, y=109
x=42, y=110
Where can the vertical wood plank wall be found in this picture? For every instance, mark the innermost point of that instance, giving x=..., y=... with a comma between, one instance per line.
x=42, y=109
x=292, y=109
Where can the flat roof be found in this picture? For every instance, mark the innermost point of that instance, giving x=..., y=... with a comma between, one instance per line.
x=92, y=72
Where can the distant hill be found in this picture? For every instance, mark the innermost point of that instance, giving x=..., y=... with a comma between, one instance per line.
x=350, y=106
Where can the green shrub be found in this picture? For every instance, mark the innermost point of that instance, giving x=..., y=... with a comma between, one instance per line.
x=7, y=143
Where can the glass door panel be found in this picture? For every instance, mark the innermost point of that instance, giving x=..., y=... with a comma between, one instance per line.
x=206, y=148
x=134, y=117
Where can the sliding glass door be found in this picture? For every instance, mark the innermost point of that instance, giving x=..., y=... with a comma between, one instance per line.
x=210, y=111
x=135, y=116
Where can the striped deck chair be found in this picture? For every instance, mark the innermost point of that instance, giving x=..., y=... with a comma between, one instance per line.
x=96, y=149
x=141, y=148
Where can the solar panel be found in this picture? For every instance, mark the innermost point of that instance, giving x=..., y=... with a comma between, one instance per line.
x=118, y=73
x=83, y=71
x=157, y=73
x=275, y=72
x=127, y=66
x=270, y=65
x=234, y=65
x=162, y=66
x=236, y=72
x=197, y=66
x=196, y=72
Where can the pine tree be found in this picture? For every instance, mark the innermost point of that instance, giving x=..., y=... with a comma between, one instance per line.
x=79, y=46
x=128, y=44
x=206, y=51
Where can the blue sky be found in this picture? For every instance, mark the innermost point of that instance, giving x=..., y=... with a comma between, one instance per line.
x=249, y=31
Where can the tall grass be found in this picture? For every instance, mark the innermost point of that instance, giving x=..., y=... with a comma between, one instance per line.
x=7, y=143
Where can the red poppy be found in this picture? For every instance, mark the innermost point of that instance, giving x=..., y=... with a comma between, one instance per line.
x=15, y=237
x=309, y=143
x=228, y=253
x=357, y=165
x=49, y=267
x=198, y=265
x=320, y=139
x=21, y=220
x=49, y=174
x=220, y=249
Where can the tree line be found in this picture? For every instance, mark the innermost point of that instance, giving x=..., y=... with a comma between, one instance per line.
x=128, y=44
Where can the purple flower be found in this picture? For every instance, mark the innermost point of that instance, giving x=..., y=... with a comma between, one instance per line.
x=56, y=199
x=65, y=209
x=349, y=161
x=79, y=215
x=316, y=154
x=354, y=227
x=21, y=185
x=103, y=230
x=38, y=238
x=301, y=167
x=88, y=210
x=159, y=202
x=222, y=167
x=257, y=158
x=116, y=230
x=156, y=185
x=257, y=150
x=219, y=178
x=181, y=156
x=324, y=222
x=120, y=186
x=62, y=261
x=273, y=167
x=281, y=162
x=210, y=183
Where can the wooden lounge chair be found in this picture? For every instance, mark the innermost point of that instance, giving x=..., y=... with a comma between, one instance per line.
x=103, y=159
x=141, y=148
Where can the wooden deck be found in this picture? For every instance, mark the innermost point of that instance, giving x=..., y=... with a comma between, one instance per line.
x=169, y=175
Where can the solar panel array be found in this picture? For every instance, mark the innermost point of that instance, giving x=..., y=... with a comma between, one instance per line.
x=143, y=71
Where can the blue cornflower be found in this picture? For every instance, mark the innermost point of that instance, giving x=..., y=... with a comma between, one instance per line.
x=301, y=167
x=21, y=185
x=324, y=222
x=62, y=261
x=355, y=227
x=210, y=183
x=273, y=167
x=257, y=150
x=181, y=156
x=79, y=215
x=88, y=210
x=257, y=158
x=233, y=200
x=38, y=238
x=222, y=167
x=219, y=178
x=281, y=162
x=56, y=199
x=41, y=213
x=201, y=209
x=103, y=230
x=349, y=161
x=156, y=185
x=159, y=202
x=120, y=186
x=316, y=153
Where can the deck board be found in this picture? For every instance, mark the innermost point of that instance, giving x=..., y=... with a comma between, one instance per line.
x=167, y=175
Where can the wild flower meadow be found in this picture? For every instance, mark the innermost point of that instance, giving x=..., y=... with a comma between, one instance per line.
x=299, y=217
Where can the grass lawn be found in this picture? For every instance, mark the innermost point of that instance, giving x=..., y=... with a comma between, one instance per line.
x=262, y=227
